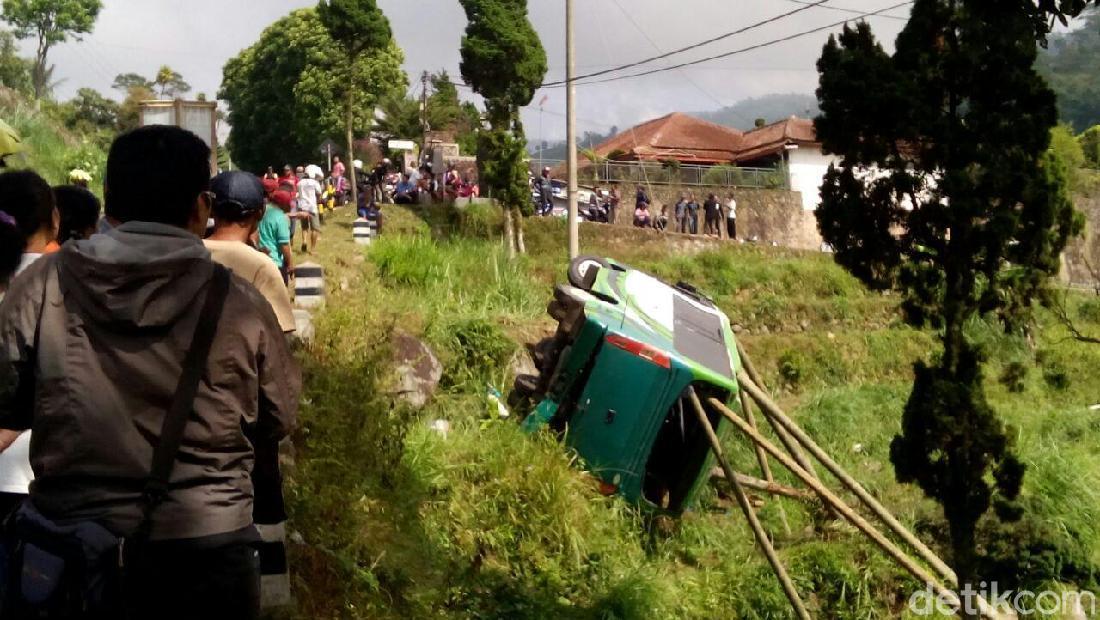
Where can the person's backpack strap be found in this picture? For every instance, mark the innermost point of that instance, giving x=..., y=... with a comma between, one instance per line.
x=171, y=432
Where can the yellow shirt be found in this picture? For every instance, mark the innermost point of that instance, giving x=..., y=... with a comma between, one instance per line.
x=257, y=268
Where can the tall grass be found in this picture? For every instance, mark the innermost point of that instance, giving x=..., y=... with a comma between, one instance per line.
x=401, y=521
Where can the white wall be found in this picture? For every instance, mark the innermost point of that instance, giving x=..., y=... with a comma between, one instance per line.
x=808, y=166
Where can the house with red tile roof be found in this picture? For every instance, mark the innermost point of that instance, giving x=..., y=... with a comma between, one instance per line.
x=790, y=144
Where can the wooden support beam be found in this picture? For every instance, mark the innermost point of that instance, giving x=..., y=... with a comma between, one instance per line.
x=851, y=515
x=764, y=486
x=754, y=522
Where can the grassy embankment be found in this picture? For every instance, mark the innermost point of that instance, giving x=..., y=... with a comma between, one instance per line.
x=399, y=522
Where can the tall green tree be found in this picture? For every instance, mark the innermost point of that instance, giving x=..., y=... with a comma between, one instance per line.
x=125, y=81
x=360, y=28
x=1069, y=64
x=947, y=192
x=504, y=62
x=15, y=71
x=286, y=93
x=1090, y=146
x=50, y=22
x=170, y=83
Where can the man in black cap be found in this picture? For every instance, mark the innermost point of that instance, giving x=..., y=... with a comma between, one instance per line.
x=238, y=207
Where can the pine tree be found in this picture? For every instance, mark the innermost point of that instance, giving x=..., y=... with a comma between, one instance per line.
x=504, y=61
x=946, y=192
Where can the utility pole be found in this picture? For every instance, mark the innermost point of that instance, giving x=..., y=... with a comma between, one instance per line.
x=424, y=114
x=571, y=129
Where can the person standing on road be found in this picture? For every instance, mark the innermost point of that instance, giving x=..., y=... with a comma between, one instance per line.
x=731, y=218
x=614, y=197
x=274, y=233
x=79, y=210
x=692, y=213
x=680, y=213
x=546, y=192
x=309, y=193
x=94, y=340
x=713, y=216
x=239, y=206
x=29, y=210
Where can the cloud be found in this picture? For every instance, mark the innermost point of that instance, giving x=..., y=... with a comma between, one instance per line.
x=198, y=36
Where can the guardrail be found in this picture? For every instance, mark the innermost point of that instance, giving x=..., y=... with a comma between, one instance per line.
x=656, y=173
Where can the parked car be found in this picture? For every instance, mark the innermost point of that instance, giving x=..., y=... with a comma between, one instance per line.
x=614, y=380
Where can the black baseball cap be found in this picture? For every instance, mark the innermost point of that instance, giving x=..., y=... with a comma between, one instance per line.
x=237, y=195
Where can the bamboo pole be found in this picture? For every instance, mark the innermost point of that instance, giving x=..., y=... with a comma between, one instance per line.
x=851, y=515
x=788, y=442
x=743, y=501
x=762, y=458
x=764, y=486
x=773, y=411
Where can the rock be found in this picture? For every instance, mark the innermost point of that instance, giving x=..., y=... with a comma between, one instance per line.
x=344, y=284
x=738, y=328
x=418, y=369
x=764, y=329
x=522, y=364
x=805, y=325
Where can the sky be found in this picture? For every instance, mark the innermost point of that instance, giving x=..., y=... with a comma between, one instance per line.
x=197, y=37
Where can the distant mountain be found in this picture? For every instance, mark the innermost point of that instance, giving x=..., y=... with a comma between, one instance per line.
x=743, y=114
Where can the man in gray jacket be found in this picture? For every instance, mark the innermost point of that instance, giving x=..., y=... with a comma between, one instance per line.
x=92, y=342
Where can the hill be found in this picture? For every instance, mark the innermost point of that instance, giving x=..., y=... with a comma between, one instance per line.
x=396, y=520
x=771, y=108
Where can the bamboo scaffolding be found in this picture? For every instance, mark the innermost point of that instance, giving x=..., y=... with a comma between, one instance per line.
x=851, y=515
x=772, y=411
x=788, y=442
x=754, y=522
x=764, y=486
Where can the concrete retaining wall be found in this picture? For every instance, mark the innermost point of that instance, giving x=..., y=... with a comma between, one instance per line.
x=1084, y=252
x=766, y=215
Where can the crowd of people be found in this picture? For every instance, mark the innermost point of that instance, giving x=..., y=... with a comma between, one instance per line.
x=719, y=219
x=146, y=380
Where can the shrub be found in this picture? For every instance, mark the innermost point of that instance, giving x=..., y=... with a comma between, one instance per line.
x=1089, y=310
x=792, y=367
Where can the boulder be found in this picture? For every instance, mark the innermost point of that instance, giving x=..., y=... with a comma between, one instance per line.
x=418, y=369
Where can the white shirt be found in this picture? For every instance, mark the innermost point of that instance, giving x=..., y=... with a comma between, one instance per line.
x=308, y=191
x=15, y=462
x=733, y=209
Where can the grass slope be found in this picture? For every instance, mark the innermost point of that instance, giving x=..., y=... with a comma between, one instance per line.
x=397, y=521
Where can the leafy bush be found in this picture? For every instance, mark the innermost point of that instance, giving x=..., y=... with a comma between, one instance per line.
x=1089, y=311
x=480, y=221
x=479, y=350
x=792, y=365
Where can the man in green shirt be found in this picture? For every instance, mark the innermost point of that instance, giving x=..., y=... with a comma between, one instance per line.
x=274, y=232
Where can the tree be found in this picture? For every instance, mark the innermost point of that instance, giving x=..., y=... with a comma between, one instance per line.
x=946, y=191
x=50, y=22
x=359, y=27
x=286, y=92
x=126, y=81
x=129, y=111
x=170, y=83
x=504, y=62
x=1069, y=64
x=90, y=113
x=1090, y=146
x=15, y=71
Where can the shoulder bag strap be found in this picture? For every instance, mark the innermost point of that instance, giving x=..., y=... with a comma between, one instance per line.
x=171, y=432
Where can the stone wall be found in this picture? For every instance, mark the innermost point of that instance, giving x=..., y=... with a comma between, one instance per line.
x=767, y=216
x=1081, y=262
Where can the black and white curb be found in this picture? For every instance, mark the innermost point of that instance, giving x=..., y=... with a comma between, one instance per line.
x=364, y=231
x=309, y=285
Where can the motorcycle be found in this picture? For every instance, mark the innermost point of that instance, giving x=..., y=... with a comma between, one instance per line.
x=596, y=211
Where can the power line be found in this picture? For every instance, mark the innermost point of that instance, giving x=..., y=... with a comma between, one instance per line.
x=721, y=37
x=853, y=11
x=744, y=49
x=656, y=47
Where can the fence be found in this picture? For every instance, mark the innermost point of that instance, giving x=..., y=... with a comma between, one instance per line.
x=654, y=173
